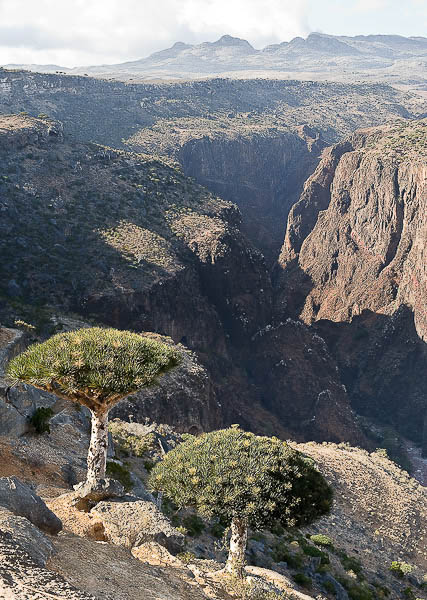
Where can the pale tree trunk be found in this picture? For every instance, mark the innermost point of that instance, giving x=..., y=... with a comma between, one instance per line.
x=239, y=538
x=97, y=455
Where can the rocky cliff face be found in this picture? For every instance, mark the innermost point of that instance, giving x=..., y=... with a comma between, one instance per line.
x=130, y=242
x=354, y=254
x=263, y=173
x=243, y=139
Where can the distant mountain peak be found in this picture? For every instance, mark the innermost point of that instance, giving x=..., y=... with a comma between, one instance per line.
x=228, y=40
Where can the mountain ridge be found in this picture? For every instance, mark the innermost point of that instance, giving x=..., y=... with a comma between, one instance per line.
x=319, y=56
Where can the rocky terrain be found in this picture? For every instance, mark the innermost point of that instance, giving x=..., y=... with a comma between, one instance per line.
x=390, y=58
x=354, y=262
x=253, y=142
x=128, y=549
x=129, y=241
x=327, y=343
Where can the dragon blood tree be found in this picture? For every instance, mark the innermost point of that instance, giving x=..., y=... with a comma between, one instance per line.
x=95, y=368
x=245, y=480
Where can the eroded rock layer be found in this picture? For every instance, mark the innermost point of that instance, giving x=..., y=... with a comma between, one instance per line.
x=355, y=254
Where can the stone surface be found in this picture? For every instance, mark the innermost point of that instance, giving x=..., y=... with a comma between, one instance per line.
x=22, y=578
x=340, y=592
x=133, y=523
x=155, y=554
x=87, y=495
x=27, y=535
x=353, y=264
x=22, y=501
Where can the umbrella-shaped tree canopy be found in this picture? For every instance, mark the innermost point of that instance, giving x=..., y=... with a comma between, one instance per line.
x=95, y=367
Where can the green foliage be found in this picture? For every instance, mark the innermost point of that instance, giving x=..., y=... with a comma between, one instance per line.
x=350, y=563
x=281, y=553
x=400, y=569
x=40, y=419
x=312, y=551
x=217, y=530
x=409, y=593
x=356, y=591
x=329, y=587
x=231, y=472
x=302, y=579
x=121, y=473
x=193, y=524
x=148, y=465
x=128, y=443
x=95, y=367
x=186, y=557
x=321, y=540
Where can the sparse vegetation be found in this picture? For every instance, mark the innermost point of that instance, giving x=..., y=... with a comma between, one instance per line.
x=121, y=473
x=96, y=368
x=321, y=540
x=129, y=444
x=40, y=419
x=400, y=569
x=302, y=579
x=245, y=480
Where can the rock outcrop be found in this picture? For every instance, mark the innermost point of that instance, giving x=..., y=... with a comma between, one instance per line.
x=135, y=522
x=20, y=500
x=355, y=255
x=129, y=241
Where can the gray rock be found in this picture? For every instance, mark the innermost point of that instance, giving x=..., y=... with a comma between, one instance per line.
x=313, y=564
x=139, y=489
x=86, y=496
x=12, y=423
x=18, y=498
x=27, y=535
x=13, y=342
x=135, y=522
x=340, y=592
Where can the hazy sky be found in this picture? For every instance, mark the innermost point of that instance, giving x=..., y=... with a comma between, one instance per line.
x=85, y=32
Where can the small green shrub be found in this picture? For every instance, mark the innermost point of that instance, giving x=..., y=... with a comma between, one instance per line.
x=186, y=557
x=181, y=529
x=400, y=569
x=321, y=540
x=312, y=551
x=129, y=444
x=329, y=587
x=302, y=580
x=355, y=590
x=193, y=524
x=40, y=419
x=148, y=465
x=281, y=553
x=277, y=529
x=121, y=473
x=350, y=563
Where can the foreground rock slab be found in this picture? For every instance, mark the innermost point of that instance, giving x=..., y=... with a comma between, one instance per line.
x=27, y=535
x=18, y=498
x=133, y=523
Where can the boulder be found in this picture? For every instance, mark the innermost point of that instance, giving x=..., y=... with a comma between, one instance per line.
x=27, y=535
x=87, y=495
x=156, y=555
x=134, y=522
x=12, y=423
x=19, y=499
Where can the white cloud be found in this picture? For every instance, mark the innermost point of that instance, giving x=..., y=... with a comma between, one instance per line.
x=79, y=32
